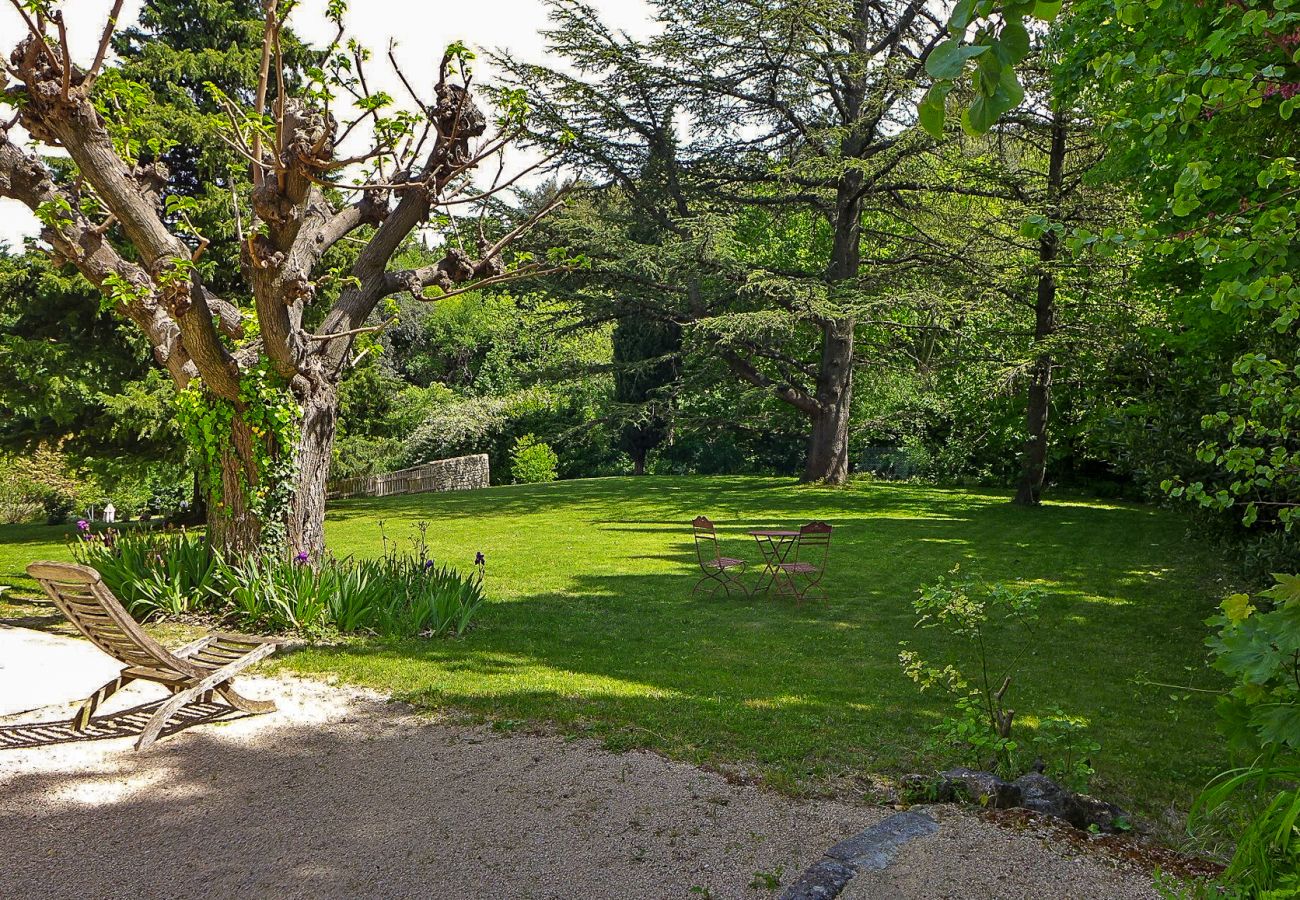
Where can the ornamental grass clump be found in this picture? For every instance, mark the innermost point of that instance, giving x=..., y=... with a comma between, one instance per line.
x=401, y=594
x=415, y=596
x=153, y=573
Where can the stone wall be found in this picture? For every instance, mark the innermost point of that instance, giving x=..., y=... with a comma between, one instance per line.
x=462, y=473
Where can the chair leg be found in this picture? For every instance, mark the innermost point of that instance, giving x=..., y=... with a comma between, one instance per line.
x=713, y=587
x=165, y=712
x=218, y=680
x=738, y=580
x=242, y=703
x=785, y=584
x=811, y=586
x=81, y=718
x=719, y=581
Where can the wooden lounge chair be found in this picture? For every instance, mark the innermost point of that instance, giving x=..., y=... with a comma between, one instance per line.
x=803, y=574
x=723, y=571
x=194, y=672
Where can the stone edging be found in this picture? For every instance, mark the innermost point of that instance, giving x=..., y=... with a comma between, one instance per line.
x=872, y=850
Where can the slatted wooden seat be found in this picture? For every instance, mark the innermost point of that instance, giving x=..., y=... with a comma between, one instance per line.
x=194, y=672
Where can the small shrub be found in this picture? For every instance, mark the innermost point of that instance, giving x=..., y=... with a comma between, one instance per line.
x=58, y=506
x=280, y=595
x=411, y=595
x=533, y=461
x=992, y=620
x=1258, y=646
x=1063, y=743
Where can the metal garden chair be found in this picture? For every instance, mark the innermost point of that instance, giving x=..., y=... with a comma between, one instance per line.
x=723, y=571
x=803, y=574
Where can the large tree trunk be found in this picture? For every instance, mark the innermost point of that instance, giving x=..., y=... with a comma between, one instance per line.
x=1037, y=408
x=1034, y=470
x=233, y=527
x=638, y=461
x=828, y=446
x=238, y=524
x=306, y=526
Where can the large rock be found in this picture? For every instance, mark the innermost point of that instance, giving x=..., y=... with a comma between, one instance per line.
x=1106, y=816
x=1034, y=791
x=984, y=788
x=1042, y=794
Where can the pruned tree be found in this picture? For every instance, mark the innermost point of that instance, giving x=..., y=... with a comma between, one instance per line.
x=257, y=382
x=110, y=404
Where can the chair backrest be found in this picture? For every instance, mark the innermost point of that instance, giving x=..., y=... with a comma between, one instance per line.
x=82, y=596
x=706, y=540
x=815, y=539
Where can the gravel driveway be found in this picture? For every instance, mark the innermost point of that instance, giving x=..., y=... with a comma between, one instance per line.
x=342, y=794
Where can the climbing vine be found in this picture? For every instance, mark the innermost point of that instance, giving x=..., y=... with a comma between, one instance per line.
x=271, y=413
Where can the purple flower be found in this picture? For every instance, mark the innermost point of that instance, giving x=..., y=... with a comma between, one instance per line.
x=480, y=559
x=428, y=564
x=302, y=557
x=83, y=525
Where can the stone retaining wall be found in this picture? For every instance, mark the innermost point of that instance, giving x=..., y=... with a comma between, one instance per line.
x=461, y=473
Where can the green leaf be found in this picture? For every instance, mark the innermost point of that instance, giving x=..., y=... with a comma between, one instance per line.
x=1015, y=40
x=931, y=110
x=1279, y=724
x=1046, y=10
x=961, y=16
x=980, y=116
x=1009, y=94
x=1285, y=591
x=948, y=59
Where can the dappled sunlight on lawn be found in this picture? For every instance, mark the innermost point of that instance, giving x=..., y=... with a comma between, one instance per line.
x=592, y=628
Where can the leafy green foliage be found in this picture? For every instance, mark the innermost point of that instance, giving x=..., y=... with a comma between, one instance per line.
x=1260, y=651
x=154, y=573
x=995, y=623
x=1266, y=860
x=999, y=42
x=533, y=461
x=168, y=574
x=268, y=421
x=1062, y=741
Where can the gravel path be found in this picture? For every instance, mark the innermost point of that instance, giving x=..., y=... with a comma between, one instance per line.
x=342, y=794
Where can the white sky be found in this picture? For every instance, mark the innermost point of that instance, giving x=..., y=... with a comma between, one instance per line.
x=420, y=28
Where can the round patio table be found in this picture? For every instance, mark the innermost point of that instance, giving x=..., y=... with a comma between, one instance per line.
x=775, y=545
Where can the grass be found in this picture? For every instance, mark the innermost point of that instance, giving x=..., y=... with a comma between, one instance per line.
x=593, y=628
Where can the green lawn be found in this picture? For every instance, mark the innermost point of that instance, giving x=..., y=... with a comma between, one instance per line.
x=594, y=627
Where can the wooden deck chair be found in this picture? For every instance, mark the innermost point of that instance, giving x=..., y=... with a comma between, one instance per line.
x=194, y=672
x=804, y=573
x=723, y=571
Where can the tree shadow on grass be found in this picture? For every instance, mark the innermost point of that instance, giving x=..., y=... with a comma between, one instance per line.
x=684, y=497
x=817, y=687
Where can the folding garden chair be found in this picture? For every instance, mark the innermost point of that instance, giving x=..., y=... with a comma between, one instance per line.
x=194, y=672
x=723, y=571
x=803, y=574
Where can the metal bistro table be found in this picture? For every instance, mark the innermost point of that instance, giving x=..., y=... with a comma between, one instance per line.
x=775, y=545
